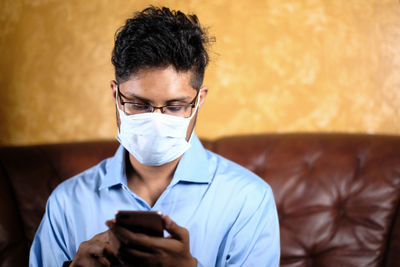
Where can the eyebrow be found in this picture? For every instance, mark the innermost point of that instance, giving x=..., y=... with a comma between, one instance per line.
x=143, y=99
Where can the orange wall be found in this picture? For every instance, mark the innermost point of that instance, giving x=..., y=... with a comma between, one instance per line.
x=277, y=66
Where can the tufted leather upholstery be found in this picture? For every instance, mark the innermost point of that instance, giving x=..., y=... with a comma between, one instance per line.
x=337, y=195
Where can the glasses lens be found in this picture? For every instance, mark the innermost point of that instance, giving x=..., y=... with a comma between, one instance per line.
x=179, y=110
x=133, y=108
x=185, y=110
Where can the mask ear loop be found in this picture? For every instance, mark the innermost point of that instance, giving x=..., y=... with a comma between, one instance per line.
x=116, y=97
x=196, y=107
x=195, y=112
x=120, y=112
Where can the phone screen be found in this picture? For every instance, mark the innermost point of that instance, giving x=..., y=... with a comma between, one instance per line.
x=145, y=222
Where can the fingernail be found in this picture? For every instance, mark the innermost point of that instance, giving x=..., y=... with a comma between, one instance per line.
x=167, y=220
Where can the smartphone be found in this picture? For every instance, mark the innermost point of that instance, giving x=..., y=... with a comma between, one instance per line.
x=145, y=222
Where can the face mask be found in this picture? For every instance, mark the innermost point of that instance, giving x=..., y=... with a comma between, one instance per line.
x=154, y=138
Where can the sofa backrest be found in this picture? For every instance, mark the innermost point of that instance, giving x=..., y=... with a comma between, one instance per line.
x=337, y=195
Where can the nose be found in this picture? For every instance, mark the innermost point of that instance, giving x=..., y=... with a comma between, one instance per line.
x=157, y=109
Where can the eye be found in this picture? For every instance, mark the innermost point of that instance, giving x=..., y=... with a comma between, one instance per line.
x=175, y=108
x=137, y=106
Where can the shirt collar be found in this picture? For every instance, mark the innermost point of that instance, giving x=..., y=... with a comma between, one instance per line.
x=115, y=170
x=192, y=167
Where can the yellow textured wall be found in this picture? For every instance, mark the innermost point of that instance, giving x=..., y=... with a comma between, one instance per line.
x=277, y=66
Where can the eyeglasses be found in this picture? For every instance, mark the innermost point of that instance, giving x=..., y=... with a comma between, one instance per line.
x=132, y=108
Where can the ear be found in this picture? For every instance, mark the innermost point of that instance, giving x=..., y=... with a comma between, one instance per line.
x=203, y=95
x=113, y=85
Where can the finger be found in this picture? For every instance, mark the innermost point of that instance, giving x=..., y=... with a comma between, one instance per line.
x=115, y=240
x=176, y=231
x=104, y=262
x=138, y=258
x=109, y=223
x=131, y=239
x=110, y=254
x=127, y=252
x=94, y=248
x=98, y=249
x=106, y=240
x=87, y=262
x=144, y=242
x=90, y=254
x=102, y=237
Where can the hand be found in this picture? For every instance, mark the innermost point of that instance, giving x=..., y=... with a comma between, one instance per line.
x=138, y=249
x=99, y=251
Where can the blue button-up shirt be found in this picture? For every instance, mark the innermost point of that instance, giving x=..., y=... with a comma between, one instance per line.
x=229, y=211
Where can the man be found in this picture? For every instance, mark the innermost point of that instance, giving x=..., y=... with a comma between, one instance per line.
x=216, y=212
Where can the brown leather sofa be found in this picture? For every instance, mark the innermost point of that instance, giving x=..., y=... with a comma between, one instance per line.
x=337, y=195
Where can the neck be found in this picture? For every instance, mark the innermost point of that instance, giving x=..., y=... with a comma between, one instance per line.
x=149, y=182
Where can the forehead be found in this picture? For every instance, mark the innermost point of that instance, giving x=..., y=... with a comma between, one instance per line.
x=159, y=83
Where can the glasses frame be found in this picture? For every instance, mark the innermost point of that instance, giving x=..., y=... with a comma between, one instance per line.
x=152, y=108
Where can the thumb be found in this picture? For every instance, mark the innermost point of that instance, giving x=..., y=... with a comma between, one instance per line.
x=176, y=231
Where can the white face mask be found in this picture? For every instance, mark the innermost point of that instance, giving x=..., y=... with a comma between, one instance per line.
x=154, y=138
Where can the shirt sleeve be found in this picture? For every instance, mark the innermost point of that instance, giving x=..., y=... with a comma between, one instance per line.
x=49, y=245
x=255, y=237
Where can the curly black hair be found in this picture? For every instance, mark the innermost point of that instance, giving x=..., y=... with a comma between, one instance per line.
x=159, y=37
